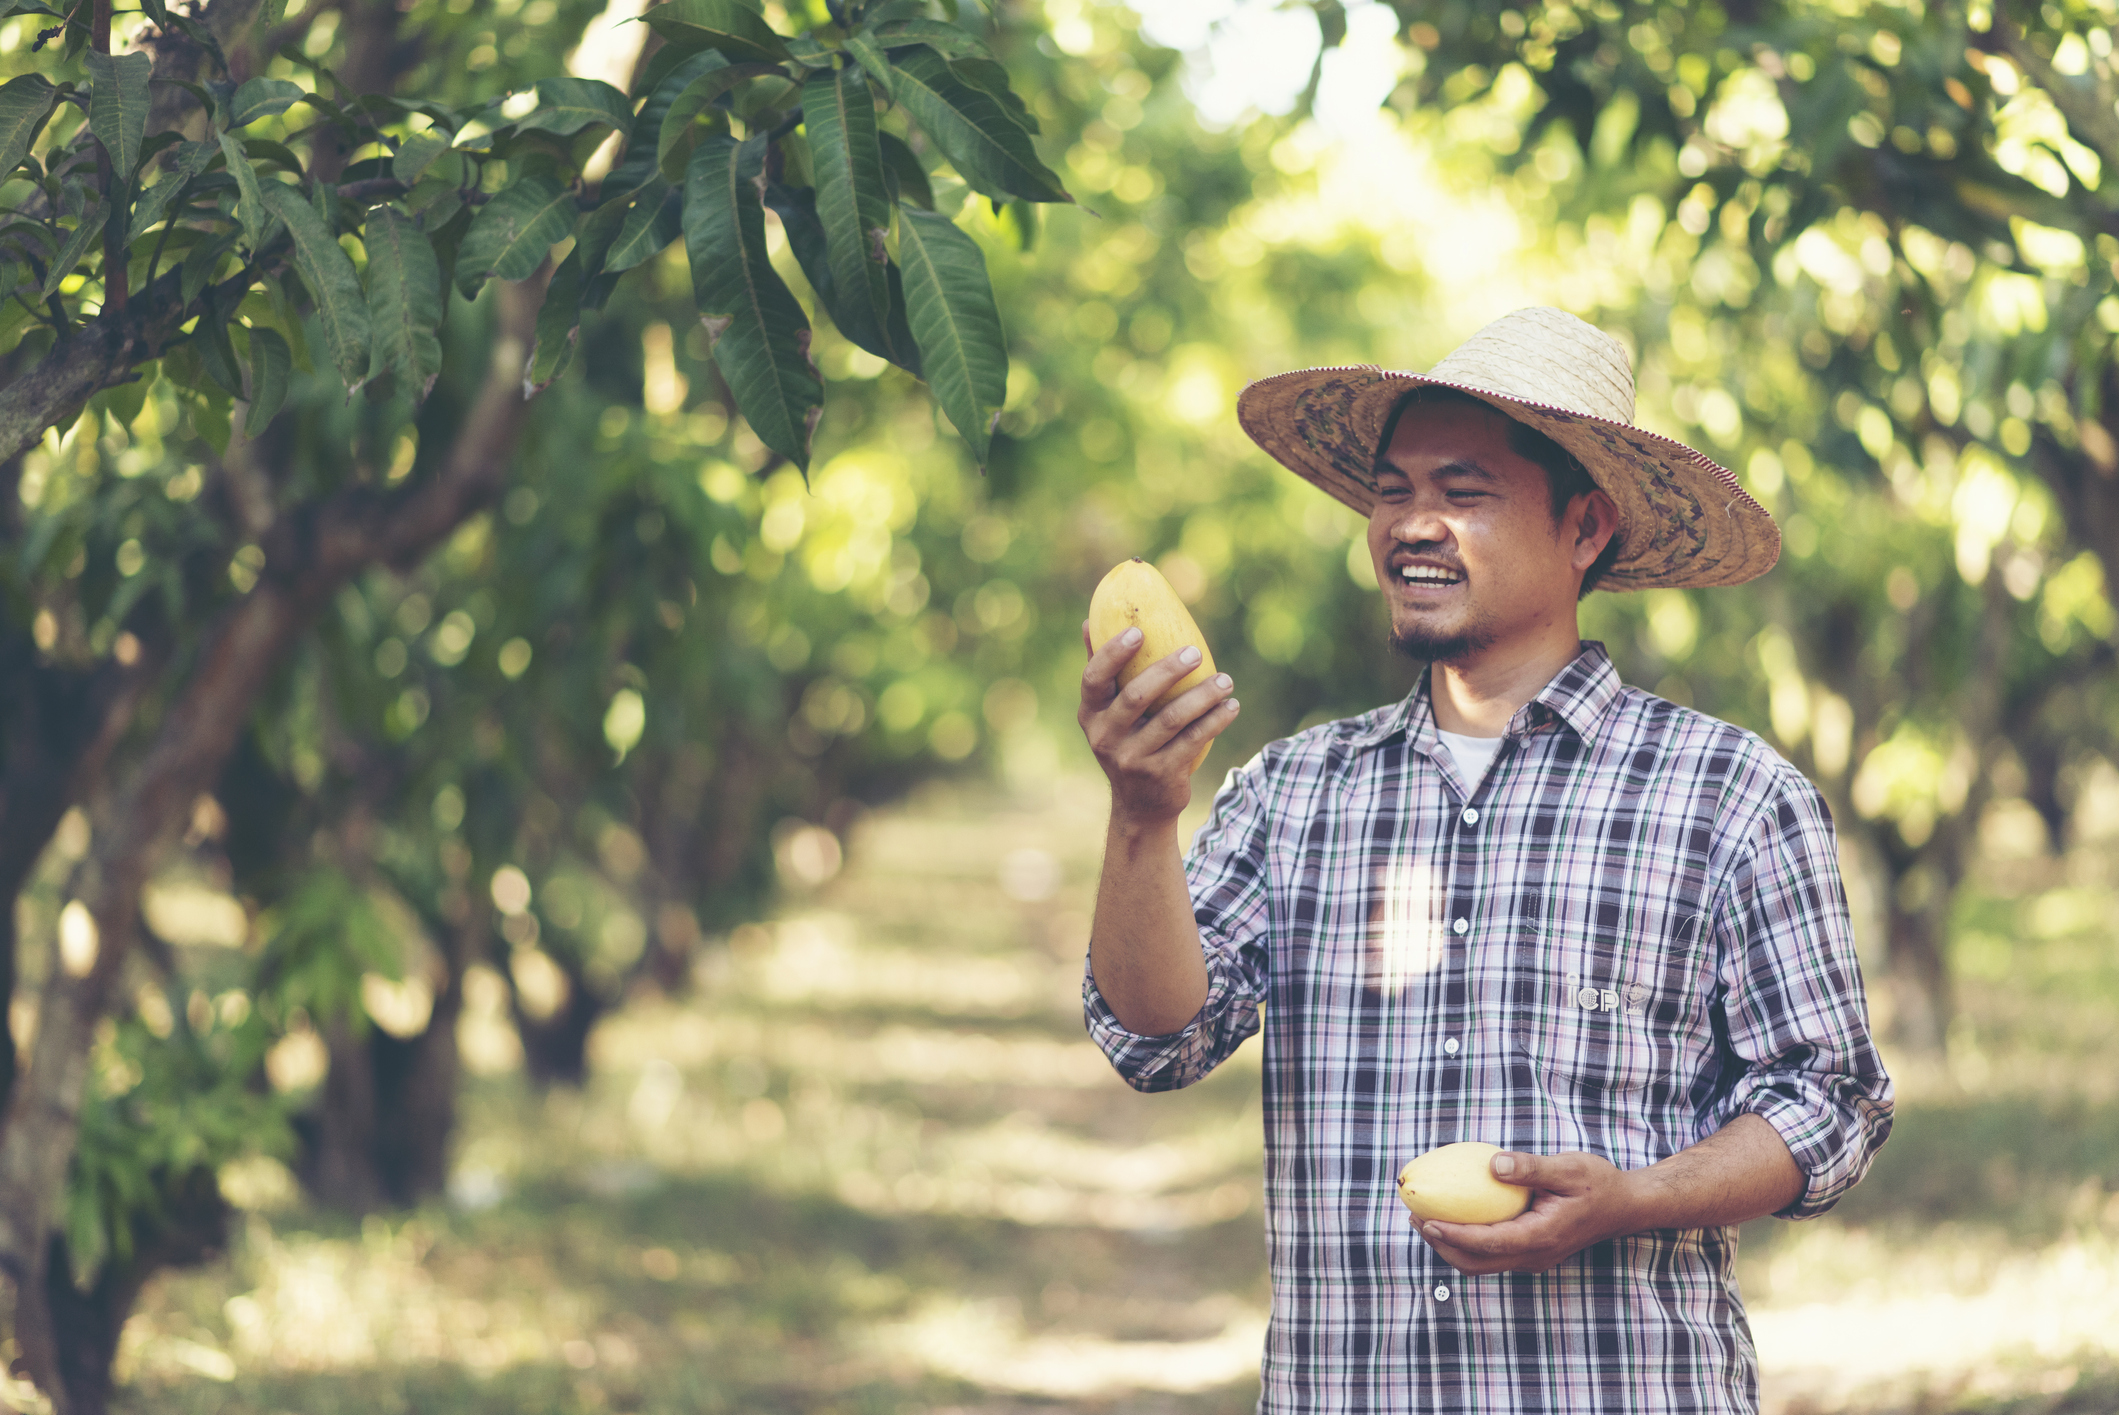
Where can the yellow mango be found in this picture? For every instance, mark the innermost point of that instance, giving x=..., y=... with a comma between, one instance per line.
x=1456, y=1184
x=1135, y=595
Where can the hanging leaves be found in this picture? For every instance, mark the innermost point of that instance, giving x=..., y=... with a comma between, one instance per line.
x=404, y=301
x=760, y=335
x=270, y=362
x=250, y=203
x=483, y=198
x=567, y=106
x=949, y=303
x=852, y=205
x=328, y=272
x=989, y=149
x=262, y=98
x=25, y=104
x=724, y=25
x=513, y=233
x=117, y=106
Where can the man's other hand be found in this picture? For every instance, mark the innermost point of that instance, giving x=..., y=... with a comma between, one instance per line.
x=1578, y=1200
x=1149, y=759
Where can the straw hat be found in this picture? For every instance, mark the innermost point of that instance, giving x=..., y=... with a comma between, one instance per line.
x=1683, y=520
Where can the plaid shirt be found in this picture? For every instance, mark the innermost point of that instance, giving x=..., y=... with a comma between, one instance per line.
x=1630, y=932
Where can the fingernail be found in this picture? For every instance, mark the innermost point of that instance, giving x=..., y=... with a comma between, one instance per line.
x=1188, y=656
x=1222, y=680
x=1231, y=705
x=1130, y=637
x=1504, y=1164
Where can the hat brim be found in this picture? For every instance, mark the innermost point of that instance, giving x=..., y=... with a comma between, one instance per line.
x=1684, y=522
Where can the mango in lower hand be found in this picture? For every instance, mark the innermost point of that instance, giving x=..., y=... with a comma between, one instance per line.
x=1135, y=595
x=1456, y=1184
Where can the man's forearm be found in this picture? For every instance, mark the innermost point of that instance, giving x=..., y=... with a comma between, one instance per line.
x=1144, y=949
x=1741, y=1172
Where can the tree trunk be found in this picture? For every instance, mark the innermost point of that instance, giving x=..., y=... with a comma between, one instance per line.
x=555, y=1049
x=1922, y=1000
x=192, y=1227
x=311, y=551
x=380, y=1137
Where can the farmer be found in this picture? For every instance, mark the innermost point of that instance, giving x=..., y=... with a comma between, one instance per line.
x=1527, y=905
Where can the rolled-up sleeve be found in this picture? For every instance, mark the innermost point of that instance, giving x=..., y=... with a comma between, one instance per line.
x=1226, y=871
x=1792, y=996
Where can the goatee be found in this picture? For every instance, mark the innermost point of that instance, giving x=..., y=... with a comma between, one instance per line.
x=1439, y=648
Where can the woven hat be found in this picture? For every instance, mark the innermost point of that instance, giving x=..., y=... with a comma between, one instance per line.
x=1683, y=520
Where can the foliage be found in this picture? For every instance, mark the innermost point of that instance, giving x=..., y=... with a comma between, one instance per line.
x=234, y=233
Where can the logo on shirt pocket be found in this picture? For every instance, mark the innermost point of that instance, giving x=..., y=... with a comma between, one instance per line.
x=1618, y=995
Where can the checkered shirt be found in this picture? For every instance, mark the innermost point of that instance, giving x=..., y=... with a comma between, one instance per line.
x=1629, y=932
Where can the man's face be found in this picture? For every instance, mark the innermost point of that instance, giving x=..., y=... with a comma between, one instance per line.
x=1463, y=538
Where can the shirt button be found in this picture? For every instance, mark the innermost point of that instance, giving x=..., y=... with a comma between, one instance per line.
x=1449, y=1046
x=1441, y=1293
x=1471, y=815
x=1462, y=926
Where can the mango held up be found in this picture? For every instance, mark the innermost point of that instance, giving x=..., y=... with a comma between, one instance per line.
x=1135, y=595
x=1456, y=1184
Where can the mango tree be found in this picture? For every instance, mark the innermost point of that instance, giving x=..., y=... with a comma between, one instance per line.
x=203, y=204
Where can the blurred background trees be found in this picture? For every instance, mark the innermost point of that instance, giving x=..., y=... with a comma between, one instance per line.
x=504, y=776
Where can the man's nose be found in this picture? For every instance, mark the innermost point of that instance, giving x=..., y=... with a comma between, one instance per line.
x=1419, y=524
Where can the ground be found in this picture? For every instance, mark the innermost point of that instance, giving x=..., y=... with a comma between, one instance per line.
x=871, y=1164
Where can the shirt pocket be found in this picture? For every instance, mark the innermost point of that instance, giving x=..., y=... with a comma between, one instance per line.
x=1584, y=1013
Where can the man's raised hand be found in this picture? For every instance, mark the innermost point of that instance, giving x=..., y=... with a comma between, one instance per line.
x=1149, y=758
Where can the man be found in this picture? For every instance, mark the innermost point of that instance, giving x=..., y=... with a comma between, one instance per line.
x=1527, y=905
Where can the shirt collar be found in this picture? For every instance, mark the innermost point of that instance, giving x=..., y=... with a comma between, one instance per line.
x=1579, y=695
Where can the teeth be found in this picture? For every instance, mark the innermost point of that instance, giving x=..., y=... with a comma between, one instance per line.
x=1427, y=575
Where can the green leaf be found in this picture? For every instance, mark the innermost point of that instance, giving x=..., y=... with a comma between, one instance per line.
x=797, y=210
x=404, y=300
x=216, y=352
x=177, y=174
x=417, y=153
x=949, y=303
x=270, y=362
x=944, y=39
x=25, y=104
x=263, y=98
x=558, y=326
x=724, y=25
x=117, y=106
x=639, y=165
x=760, y=335
x=251, y=206
x=329, y=274
x=200, y=263
x=988, y=148
x=673, y=148
x=656, y=219
x=89, y=227
x=991, y=79
x=566, y=106
x=873, y=61
x=512, y=233
x=840, y=115
x=906, y=170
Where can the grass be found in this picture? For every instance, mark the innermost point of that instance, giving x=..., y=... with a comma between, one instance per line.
x=874, y=1166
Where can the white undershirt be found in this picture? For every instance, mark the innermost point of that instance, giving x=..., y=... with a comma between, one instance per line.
x=1473, y=755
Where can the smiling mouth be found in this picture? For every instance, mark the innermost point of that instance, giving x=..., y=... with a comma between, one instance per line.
x=1428, y=577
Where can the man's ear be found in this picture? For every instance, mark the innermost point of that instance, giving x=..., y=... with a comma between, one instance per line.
x=1595, y=518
